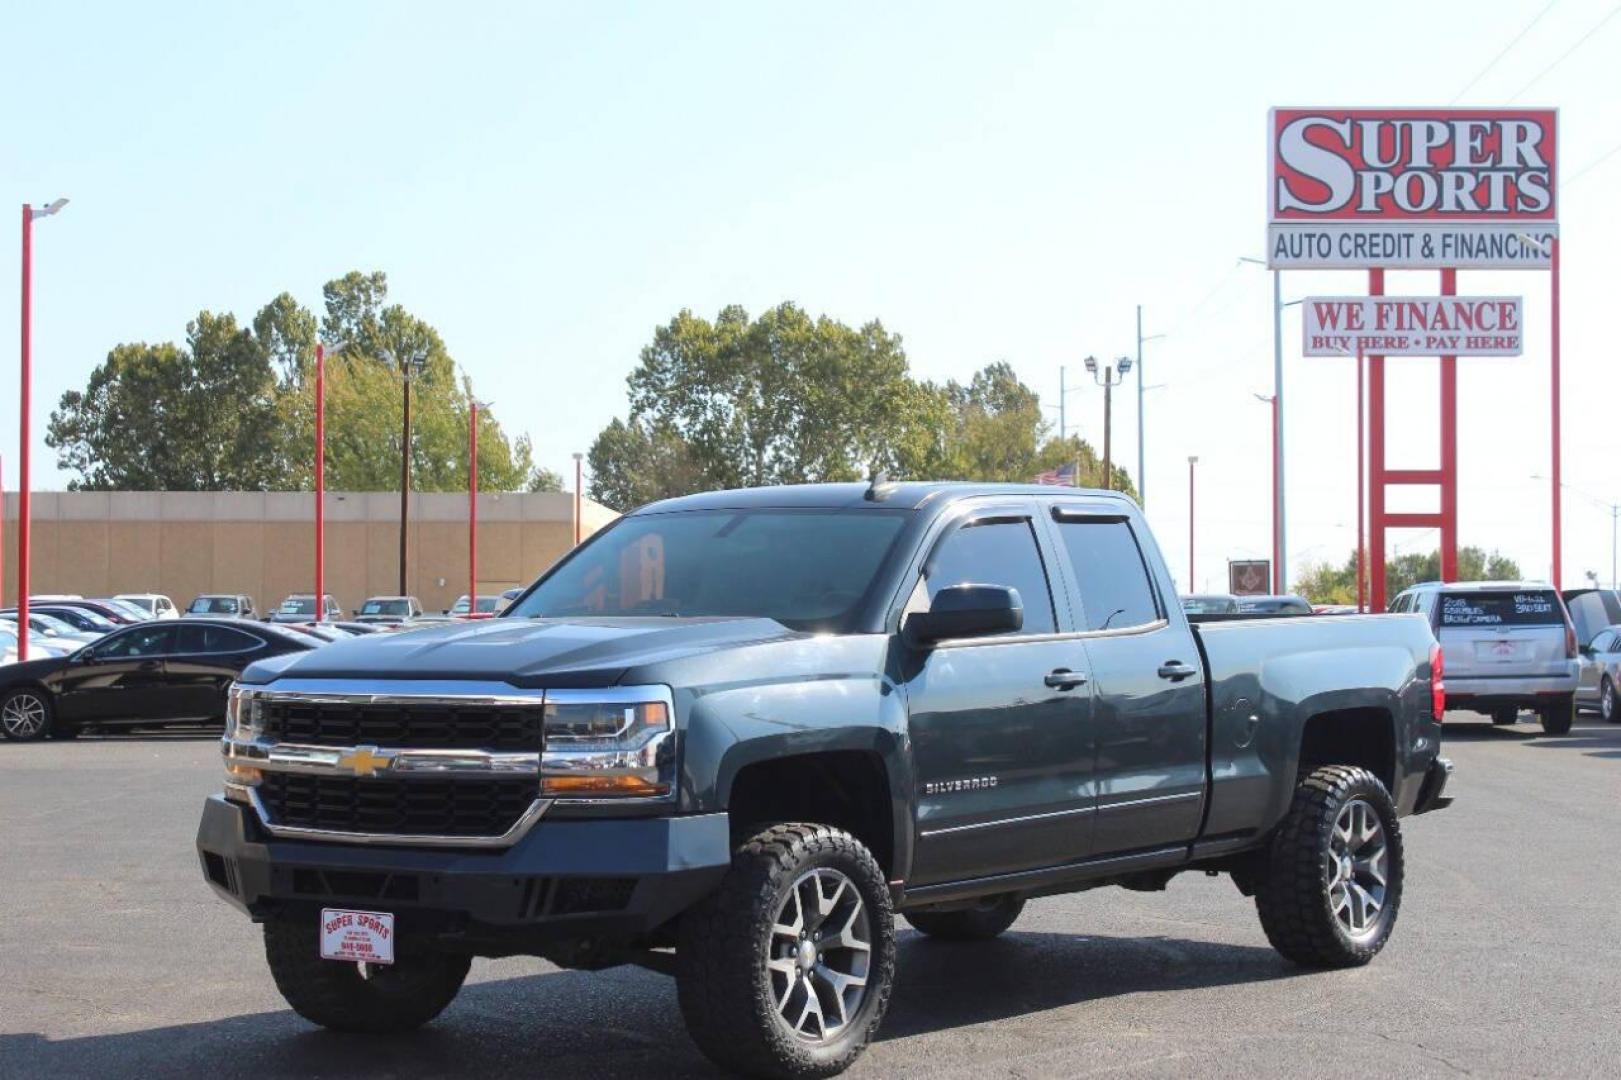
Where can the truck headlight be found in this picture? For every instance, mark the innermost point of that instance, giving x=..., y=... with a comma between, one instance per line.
x=608, y=744
x=244, y=713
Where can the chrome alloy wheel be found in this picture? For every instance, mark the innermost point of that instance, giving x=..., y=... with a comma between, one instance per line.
x=23, y=715
x=821, y=946
x=1606, y=701
x=1358, y=862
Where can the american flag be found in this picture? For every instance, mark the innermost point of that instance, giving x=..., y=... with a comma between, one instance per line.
x=1063, y=476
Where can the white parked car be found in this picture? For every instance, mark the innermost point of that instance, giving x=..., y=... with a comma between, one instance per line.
x=156, y=605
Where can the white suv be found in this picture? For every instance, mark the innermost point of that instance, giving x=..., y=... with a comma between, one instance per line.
x=1507, y=646
x=160, y=606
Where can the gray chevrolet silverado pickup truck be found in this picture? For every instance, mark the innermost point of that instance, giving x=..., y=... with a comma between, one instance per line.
x=734, y=735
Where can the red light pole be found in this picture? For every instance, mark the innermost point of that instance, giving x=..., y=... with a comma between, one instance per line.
x=23, y=404
x=1555, y=485
x=472, y=506
x=1192, y=461
x=320, y=482
x=1361, y=483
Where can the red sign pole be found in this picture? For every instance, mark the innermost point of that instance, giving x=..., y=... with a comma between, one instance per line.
x=320, y=483
x=1361, y=483
x=1556, y=486
x=1449, y=449
x=1376, y=463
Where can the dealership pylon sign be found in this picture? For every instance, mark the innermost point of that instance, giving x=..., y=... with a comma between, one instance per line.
x=1412, y=189
x=1416, y=189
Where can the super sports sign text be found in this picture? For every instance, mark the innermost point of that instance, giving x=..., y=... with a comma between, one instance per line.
x=1361, y=188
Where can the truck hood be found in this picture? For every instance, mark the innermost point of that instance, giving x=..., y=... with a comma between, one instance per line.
x=523, y=652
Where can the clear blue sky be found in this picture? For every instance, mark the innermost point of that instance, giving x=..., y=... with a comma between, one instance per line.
x=545, y=184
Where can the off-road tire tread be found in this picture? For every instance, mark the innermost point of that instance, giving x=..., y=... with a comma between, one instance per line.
x=1291, y=897
x=324, y=992
x=972, y=924
x=727, y=1014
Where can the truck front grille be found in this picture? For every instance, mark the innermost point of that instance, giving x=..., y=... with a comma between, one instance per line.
x=413, y=807
x=429, y=725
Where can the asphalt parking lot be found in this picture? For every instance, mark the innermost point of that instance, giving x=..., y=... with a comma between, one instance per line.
x=116, y=959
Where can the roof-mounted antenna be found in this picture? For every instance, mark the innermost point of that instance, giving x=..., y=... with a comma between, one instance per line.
x=879, y=486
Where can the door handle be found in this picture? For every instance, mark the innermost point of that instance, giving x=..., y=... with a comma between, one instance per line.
x=1064, y=679
x=1176, y=670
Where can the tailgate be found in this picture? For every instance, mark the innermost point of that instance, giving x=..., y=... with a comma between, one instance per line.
x=1503, y=632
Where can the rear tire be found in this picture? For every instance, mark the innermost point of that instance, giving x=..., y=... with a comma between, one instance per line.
x=26, y=714
x=1606, y=701
x=1505, y=715
x=1558, y=717
x=989, y=918
x=332, y=993
x=1332, y=886
x=785, y=970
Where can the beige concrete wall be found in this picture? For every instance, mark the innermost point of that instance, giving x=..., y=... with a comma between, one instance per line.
x=186, y=543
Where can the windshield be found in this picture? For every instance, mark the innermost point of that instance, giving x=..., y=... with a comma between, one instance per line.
x=144, y=604
x=1530, y=608
x=213, y=605
x=386, y=607
x=298, y=605
x=808, y=570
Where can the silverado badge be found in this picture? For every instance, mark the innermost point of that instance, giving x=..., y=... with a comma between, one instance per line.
x=366, y=760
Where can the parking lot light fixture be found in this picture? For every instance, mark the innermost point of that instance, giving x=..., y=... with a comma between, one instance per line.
x=24, y=433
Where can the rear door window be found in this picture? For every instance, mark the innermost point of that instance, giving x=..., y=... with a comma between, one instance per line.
x=196, y=639
x=1110, y=574
x=1533, y=607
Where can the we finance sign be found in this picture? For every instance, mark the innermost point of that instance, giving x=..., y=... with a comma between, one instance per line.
x=1413, y=325
x=1412, y=188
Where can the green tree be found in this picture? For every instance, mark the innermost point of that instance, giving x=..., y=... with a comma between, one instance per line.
x=786, y=399
x=159, y=417
x=1322, y=583
x=236, y=407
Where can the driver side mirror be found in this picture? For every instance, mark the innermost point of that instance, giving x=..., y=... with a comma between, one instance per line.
x=966, y=611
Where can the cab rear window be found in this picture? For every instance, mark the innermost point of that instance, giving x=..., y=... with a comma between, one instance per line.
x=1501, y=609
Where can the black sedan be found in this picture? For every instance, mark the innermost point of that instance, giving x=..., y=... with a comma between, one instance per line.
x=146, y=675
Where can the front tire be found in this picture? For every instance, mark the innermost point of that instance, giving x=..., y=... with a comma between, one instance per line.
x=986, y=920
x=1558, y=717
x=393, y=997
x=1333, y=881
x=26, y=714
x=786, y=969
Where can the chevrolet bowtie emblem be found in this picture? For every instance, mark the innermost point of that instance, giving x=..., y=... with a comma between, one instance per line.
x=366, y=760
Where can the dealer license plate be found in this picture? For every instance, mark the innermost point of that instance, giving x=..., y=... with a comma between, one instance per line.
x=359, y=936
x=1502, y=651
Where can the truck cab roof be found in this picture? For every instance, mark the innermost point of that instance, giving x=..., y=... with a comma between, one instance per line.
x=894, y=495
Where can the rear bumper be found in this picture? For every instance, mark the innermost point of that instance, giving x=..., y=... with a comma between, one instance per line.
x=1528, y=689
x=1433, y=794
x=565, y=880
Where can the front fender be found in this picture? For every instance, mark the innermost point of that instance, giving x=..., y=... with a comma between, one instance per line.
x=731, y=728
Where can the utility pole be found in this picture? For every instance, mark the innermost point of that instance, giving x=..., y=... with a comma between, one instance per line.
x=1192, y=461
x=579, y=458
x=1142, y=441
x=409, y=366
x=1063, y=393
x=1110, y=377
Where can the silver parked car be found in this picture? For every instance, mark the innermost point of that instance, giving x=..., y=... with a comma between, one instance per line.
x=1507, y=645
x=1601, y=674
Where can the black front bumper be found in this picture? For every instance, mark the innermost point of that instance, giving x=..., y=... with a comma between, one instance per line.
x=1433, y=795
x=566, y=880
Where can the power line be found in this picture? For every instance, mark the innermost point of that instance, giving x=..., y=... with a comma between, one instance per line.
x=1566, y=54
x=1504, y=52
